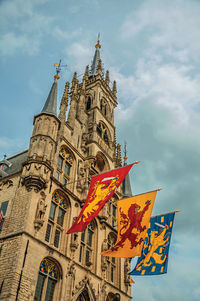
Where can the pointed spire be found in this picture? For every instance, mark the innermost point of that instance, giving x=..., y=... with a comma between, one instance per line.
x=126, y=184
x=107, y=78
x=51, y=102
x=96, y=58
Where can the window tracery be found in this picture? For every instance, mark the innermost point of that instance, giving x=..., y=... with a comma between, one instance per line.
x=111, y=261
x=87, y=245
x=57, y=213
x=48, y=277
x=64, y=165
x=103, y=132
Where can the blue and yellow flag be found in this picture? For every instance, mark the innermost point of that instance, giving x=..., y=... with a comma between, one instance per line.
x=154, y=256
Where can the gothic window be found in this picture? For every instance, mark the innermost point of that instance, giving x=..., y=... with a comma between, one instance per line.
x=48, y=278
x=103, y=131
x=88, y=104
x=57, y=213
x=87, y=245
x=111, y=261
x=64, y=165
x=101, y=163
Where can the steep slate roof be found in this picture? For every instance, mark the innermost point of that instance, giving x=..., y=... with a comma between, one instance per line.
x=51, y=102
x=96, y=59
x=16, y=163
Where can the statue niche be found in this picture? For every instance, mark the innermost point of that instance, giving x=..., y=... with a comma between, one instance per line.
x=40, y=211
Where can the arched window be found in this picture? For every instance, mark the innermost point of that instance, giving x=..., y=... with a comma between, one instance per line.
x=87, y=246
x=88, y=103
x=103, y=131
x=101, y=162
x=111, y=261
x=64, y=165
x=47, y=280
x=57, y=213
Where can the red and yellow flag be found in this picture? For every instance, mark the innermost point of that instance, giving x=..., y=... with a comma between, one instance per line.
x=102, y=188
x=133, y=221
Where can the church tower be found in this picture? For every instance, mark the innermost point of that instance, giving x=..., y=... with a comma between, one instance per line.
x=42, y=191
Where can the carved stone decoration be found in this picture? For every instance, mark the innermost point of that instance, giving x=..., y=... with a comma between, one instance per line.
x=127, y=270
x=81, y=286
x=84, y=141
x=74, y=239
x=6, y=184
x=40, y=211
x=83, y=183
x=70, y=282
x=104, y=247
x=35, y=175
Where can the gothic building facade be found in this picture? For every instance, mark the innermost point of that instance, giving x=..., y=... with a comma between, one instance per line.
x=42, y=191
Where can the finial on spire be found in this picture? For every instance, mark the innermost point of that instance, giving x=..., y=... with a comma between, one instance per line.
x=58, y=69
x=98, y=41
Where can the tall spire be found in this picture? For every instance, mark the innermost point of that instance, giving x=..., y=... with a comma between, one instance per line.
x=126, y=185
x=51, y=102
x=96, y=58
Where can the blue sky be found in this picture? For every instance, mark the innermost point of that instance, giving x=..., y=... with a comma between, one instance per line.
x=152, y=49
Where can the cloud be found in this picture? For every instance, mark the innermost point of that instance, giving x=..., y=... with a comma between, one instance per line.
x=22, y=27
x=80, y=55
x=171, y=26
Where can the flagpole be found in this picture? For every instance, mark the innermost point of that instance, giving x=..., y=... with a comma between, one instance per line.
x=176, y=211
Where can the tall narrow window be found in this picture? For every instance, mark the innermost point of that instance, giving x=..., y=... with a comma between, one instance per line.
x=112, y=211
x=88, y=104
x=47, y=280
x=87, y=245
x=64, y=165
x=111, y=261
x=57, y=212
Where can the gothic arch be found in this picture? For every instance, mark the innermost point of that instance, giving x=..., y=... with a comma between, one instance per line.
x=105, y=107
x=64, y=196
x=101, y=162
x=49, y=280
x=104, y=132
x=84, y=287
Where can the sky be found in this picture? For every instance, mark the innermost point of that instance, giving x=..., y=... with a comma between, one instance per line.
x=152, y=49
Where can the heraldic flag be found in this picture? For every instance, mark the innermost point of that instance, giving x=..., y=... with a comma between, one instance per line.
x=133, y=220
x=154, y=256
x=102, y=188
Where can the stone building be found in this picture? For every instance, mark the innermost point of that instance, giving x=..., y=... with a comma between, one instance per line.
x=42, y=190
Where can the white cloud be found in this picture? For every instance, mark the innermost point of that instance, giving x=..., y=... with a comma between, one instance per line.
x=172, y=26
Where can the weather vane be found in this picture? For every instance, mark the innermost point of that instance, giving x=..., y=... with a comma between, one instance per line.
x=58, y=69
